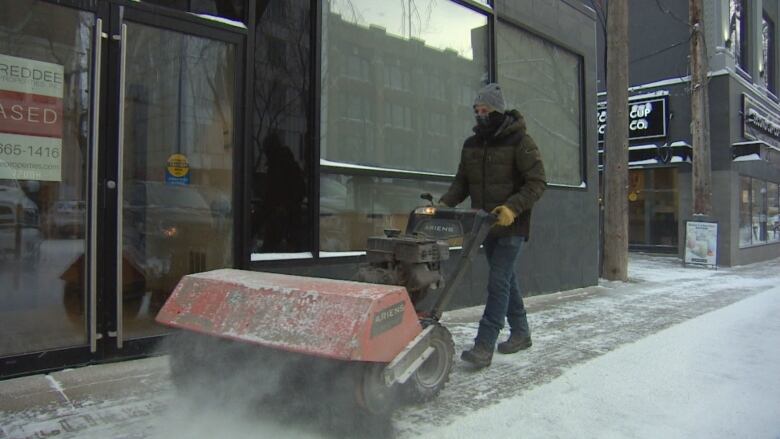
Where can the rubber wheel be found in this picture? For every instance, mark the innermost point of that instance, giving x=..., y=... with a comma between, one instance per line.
x=427, y=381
x=371, y=393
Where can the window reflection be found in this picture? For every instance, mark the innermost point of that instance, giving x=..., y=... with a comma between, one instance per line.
x=352, y=207
x=281, y=137
x=398, y=63
x=773, y=212
x=738, y=31
x=542, y=81
x=758, y=211
x=43, y=217
x=653, y=207
x=768, y=53
x=745, y=226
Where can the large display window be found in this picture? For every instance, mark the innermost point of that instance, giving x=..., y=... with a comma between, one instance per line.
x=398, y=82
x=543, y=82
x=759, y=212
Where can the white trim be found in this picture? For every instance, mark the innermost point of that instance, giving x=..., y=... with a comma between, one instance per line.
x=747, y=158
x=329, y=163
x=644, y=162
x=222, y=20
x=642, y=147
x=280, y=256
x=680, y=143
x=340, y=254
x=751, y=142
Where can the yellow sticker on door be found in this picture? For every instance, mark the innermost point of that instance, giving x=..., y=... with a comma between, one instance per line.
x=177, y=169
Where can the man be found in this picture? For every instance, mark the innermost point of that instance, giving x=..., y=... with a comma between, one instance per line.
x=501, y=169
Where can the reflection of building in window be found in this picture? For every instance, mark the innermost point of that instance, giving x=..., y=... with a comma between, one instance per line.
x=543, y=82
x=398, y=83
x=737, y=42
x=282, y=111
x=768, y=52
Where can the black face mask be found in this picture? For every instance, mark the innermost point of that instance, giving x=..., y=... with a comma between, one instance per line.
x=487, y=124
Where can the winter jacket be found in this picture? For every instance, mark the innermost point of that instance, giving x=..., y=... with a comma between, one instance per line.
x=505, y=169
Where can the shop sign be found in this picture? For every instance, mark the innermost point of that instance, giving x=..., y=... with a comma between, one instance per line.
x=177, y=170
x=647, y=118
x=701, y=243
x=759, y=123
x=30, y=119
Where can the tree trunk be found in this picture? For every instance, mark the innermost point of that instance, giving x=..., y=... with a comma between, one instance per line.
x=616, y=145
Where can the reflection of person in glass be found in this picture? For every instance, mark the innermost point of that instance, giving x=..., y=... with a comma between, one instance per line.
x=502, y=171
x=284, y=193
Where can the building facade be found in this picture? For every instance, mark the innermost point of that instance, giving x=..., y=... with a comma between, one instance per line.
x=744, y=116
x=144, y=140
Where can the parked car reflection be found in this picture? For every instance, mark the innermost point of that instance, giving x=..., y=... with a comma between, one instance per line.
x=20, y=233
x=67, y=219
x=168, y=231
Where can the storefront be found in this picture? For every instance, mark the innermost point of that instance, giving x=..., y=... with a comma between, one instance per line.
x=745, y=157
x=144, y=140
x=657, y=159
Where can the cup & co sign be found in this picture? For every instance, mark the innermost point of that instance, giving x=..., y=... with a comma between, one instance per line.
x=647, y=118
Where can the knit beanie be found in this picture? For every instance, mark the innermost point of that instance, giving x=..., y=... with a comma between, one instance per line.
x=491, y=96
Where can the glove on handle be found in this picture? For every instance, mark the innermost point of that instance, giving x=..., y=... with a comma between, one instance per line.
x=506, y=216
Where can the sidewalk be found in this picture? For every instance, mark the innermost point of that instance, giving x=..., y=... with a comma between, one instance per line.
x=135, y=399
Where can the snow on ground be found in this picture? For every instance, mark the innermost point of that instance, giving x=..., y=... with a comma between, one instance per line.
x=714, y=376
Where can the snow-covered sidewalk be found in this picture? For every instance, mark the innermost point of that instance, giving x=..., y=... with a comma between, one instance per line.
x=674, y=352
x=715, y=376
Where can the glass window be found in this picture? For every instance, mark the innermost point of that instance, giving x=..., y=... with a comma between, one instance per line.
x=758, y=210
x=745, y=225
x=653, y=207
x=768, y=54
x=737, y=41
x=352, y=207
x=773, y=212
x=542, y=81
x=43, y=174
x=387, y=54
x=281, y=129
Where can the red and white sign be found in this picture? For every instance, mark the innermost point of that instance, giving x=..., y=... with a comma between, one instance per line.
x=31, y=114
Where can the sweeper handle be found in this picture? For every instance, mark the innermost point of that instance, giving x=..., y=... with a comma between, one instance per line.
x=483, y=221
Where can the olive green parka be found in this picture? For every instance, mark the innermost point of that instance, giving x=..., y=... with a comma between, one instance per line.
x=504, y=169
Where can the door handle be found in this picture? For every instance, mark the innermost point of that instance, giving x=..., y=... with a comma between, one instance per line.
x=93, y=198
x=119, y=186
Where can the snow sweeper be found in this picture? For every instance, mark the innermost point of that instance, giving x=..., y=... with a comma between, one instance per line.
x=377, y=339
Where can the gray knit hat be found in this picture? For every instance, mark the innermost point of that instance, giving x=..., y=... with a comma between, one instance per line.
x=491, y=96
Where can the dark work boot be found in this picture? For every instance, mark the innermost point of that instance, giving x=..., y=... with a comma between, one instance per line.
x=480, y=355
x=515, y=343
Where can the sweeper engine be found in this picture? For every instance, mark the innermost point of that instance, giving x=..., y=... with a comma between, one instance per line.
x=377, y=335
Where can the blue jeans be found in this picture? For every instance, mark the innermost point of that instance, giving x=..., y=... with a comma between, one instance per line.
x=504, y=302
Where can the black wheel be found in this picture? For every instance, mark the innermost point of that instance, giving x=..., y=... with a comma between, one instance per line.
x=371, y=393
x=427, y=381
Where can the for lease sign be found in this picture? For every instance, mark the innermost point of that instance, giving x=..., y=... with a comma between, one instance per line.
x=30, y=119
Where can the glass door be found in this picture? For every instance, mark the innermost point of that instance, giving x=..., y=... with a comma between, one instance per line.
x=47, y=127
x=118, y=134
x=174, y=152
